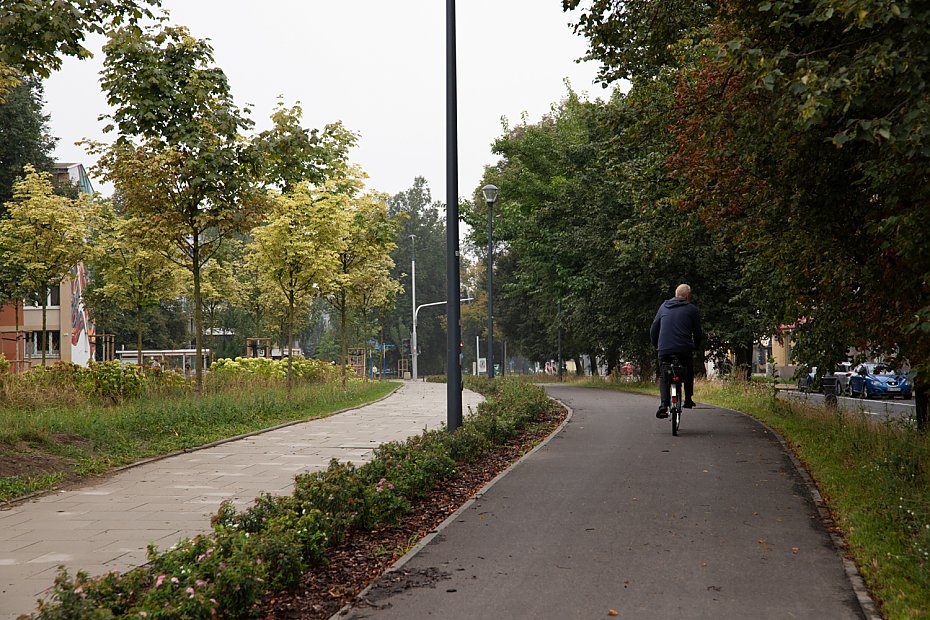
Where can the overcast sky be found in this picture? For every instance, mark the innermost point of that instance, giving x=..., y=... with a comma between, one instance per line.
x=377, y=66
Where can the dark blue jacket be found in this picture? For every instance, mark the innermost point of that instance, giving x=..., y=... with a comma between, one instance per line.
x=676, y=328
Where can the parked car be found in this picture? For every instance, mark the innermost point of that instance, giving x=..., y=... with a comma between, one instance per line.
x=879, y=380
x=843, y=372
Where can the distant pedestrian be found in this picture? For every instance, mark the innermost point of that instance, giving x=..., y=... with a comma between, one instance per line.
x=676, y=332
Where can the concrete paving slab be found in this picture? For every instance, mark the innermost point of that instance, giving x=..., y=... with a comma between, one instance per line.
x=165, y=500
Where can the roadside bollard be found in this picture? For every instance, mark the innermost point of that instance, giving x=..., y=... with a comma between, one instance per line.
x=828, y=383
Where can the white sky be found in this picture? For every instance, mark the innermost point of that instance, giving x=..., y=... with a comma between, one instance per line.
x=378, y=66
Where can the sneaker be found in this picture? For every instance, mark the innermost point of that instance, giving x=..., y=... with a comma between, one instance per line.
x=689, y=404
x=662, y=411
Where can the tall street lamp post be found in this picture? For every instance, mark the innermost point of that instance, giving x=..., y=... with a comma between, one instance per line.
x=453, y=279
x=490, y=196
x=413, y=287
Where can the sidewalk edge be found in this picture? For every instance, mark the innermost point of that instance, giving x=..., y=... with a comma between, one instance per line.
x=153, y=459
x=866, y=603
x=404, y=559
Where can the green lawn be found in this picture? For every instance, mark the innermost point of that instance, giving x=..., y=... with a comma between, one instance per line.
x=43, y=446
x=875, y=479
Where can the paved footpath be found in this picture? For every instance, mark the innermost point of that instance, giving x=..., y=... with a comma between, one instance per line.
x=108, y=524
x=615, y=514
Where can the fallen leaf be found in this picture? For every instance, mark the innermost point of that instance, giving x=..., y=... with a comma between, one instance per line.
x=613, y=612
x=794, y=550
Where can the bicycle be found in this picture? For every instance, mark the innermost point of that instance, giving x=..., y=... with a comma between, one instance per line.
x=674, y=373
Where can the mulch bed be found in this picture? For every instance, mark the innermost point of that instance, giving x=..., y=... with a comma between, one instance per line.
x=365, y=555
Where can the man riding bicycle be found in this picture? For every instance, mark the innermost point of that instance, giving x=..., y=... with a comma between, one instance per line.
x=676, y=333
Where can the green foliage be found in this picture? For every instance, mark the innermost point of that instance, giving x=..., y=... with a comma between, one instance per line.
x=26, y=137
x=63, y=27
x=311, y=370
x=292, y=155
x=272, y=543
x=634, y=39
x=115, y=381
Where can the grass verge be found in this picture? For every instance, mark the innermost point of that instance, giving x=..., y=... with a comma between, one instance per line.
x=43, y=447
x=875, y=478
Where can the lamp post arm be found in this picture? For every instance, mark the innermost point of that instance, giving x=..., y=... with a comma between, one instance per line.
x=435, y=303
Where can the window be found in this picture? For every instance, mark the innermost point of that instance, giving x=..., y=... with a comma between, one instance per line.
x=52, y=344
x=53, y=298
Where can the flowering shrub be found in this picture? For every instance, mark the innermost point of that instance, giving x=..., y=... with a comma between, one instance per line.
x=311, y=370
x=272, y=543
x=113, y=381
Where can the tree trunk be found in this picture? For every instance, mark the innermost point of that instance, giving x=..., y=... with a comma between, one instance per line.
x=290, y=344
x=139, y=336
x=611, y=359
x=198, y=316
x=743, y=361
x=697, y=360
x=345, y=346
x=921, y=404
x=19, y=359
x=44, y=330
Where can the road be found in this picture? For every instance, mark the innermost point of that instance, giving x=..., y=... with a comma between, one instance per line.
x=878, y=409
x=616, y=514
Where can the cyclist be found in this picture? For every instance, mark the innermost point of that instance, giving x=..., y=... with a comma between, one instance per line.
x=676, y=332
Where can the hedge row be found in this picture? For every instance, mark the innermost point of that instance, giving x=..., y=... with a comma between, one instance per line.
x=270, y=545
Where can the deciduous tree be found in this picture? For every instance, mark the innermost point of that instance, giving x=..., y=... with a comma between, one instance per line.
x=133, y=272
x=296, y=252
x=179, y=160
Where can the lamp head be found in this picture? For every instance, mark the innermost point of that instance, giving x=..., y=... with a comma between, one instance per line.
x=490, y=193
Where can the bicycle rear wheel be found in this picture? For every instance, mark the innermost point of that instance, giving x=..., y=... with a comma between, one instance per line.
x=675, y=409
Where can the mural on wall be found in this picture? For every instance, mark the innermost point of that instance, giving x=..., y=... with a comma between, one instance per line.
x=82, y=327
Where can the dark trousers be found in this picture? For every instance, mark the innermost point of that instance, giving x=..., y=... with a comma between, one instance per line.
x=684, y=360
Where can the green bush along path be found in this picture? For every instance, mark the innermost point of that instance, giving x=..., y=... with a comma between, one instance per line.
x=107, y=524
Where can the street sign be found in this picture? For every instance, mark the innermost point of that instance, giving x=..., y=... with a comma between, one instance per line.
x=482, y=365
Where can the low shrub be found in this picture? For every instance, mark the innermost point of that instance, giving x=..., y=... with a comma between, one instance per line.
x=311, y=370
x=112, y=381
x=270, y=544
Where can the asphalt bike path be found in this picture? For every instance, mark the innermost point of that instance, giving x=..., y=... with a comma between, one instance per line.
x=107, y=524
x=615, y=516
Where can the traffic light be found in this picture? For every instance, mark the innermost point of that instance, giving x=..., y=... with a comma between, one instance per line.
x=405, y=346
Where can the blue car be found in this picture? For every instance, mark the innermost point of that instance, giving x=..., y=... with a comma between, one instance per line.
x=880, y=381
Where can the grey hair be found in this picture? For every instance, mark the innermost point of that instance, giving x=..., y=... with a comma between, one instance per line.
x=683, y=291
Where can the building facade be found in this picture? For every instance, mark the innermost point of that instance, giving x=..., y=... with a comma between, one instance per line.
x=70, y=329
